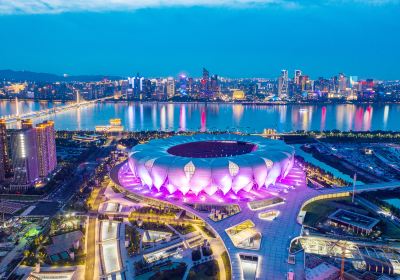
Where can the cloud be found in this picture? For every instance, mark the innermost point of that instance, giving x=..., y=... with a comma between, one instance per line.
x=62, y=6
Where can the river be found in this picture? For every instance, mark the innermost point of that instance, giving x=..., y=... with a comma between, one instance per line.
x=137, y=116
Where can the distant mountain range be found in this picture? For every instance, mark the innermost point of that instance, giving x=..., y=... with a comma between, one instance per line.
x=21, y=76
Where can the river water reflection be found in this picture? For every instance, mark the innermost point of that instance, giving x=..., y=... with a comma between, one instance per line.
x=137, y=116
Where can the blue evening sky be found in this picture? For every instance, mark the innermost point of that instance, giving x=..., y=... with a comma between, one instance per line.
x=254, y=40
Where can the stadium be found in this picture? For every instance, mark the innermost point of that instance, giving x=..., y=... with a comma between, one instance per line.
x=205, y=165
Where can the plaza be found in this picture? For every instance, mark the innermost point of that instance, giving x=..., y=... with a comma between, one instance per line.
x=283, y=200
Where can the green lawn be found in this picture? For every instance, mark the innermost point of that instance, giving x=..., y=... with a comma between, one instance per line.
x=389, y=230
x=319, y=210
x=208, y=232
x=184, y=228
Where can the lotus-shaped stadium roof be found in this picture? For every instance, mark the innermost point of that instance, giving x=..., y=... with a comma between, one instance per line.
x=211, y=163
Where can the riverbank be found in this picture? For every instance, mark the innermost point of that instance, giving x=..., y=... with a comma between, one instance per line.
x=189, y=101
x=213, y=116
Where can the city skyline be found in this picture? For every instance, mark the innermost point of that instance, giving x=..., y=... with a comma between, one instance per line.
x=68, y=77
x=237, y=39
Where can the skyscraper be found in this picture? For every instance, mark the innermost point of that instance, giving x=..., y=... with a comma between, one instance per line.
x=205, y=82
x=283, y=84
x=190, y=85
x=183, y=84
x=342, y=82
x=304, y=82
x=170, y=87
x=24, y=158
x=214, y=84
x=33, y=153
x=4, y=157
x=297, y=74
x=147, y=89
x=353, y=80
x=160, y=89
x=136, y=84
x=46, y=148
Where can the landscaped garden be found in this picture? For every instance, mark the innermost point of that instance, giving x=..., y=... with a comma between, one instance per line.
x=170, y=274
x=205, y=271
x=134, y=239
x=152, y=226
x=184, y=228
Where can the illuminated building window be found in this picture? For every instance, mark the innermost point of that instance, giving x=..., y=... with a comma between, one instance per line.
x=22, y=141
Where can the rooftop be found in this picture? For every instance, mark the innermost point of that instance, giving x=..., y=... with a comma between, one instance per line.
x=355, y=219
x=63, y=242
x=323, y=271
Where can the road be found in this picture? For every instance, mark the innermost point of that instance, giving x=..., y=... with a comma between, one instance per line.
x=14, y=254
x=91, y=237
x=218, y=249
x=393, y=219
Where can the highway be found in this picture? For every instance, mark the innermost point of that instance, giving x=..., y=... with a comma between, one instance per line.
x=393, y=219
x=91, y=237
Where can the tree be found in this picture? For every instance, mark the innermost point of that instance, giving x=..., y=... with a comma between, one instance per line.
x=27, y=253
x=53, y=225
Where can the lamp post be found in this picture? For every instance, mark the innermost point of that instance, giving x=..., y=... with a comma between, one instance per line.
x=354, y=186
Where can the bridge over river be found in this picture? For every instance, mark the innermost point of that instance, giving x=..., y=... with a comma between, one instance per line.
x=50, y=111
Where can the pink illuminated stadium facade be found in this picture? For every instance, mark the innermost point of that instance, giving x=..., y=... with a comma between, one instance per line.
x=211, y=164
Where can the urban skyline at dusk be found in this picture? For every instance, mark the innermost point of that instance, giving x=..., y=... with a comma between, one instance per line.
x=235, y=38
x=200, y=139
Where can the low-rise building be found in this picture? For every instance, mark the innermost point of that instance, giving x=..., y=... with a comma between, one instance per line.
x=360, y=224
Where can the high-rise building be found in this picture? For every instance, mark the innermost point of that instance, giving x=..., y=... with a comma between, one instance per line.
x=342, y=82
x=183, y=84
x=147, y=89
x=33, y=153
x=283, y=84
x=124, y=88
x=4, y=157
x=353, y=80
x=297, y=74
x=24, y=158
x=214, y=84
x=46, y=148
x=205, y=81
x=170, y=87
x=160, y=89
x=304, y=82
x=190, y=85
x=136, y=84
